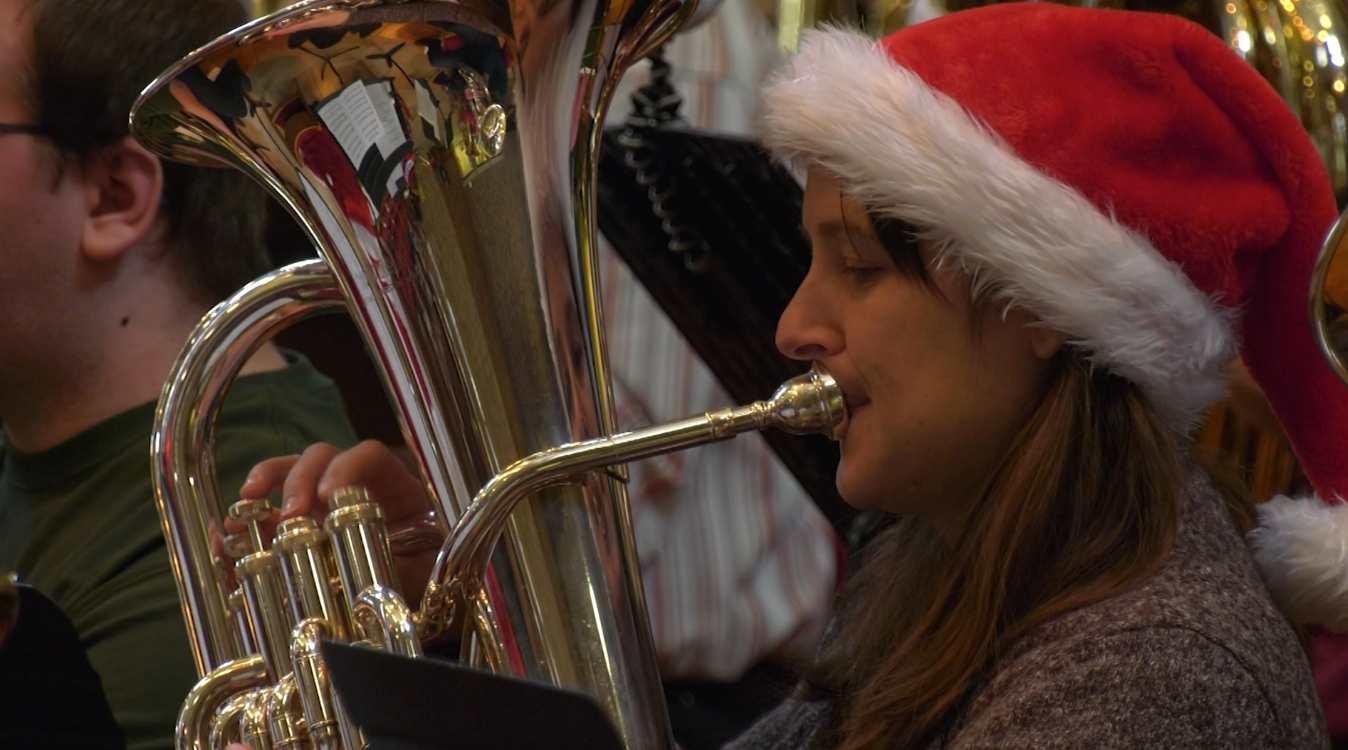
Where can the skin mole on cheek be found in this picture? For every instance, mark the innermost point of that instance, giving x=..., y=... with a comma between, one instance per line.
x=125, y=321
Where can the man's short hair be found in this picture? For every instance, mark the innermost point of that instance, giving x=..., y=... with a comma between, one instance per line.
x=90, y=60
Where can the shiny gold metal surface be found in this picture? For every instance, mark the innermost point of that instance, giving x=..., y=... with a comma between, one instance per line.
x=264, y=603
x=808, y=404
x=441, y=157
x=260, y=8
x=1329, y=298
x=402, y=135
x=281, y=695
x=309, y=568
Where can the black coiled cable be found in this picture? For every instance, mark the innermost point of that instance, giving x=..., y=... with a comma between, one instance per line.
x=656, y=105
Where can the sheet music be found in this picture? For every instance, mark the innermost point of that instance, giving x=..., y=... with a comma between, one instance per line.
x=336, y=114
x=361, y=116
x=364, y=121
x=386, y=116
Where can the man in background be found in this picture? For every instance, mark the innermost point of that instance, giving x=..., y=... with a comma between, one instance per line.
x=109, y=258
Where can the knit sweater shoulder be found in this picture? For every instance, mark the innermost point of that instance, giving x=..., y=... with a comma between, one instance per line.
x=1196, y=656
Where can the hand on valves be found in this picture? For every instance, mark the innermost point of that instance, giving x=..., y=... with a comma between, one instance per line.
x=306, y=483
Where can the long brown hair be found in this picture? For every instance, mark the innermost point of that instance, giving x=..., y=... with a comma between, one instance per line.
x=1084, y=504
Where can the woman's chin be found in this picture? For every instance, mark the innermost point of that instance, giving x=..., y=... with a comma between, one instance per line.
x=858, y=494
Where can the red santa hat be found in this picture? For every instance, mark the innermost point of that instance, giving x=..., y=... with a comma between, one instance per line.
x=1133, y=182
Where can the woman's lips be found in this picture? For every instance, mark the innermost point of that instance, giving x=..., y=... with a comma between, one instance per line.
x=854, y=404
x=853, y=401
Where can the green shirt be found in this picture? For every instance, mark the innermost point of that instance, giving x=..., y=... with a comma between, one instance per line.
x=79, y=522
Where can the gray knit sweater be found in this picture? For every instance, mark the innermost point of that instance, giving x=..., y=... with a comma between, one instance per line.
x=1196, y=657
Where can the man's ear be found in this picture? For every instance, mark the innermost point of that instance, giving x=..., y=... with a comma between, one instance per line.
x=123, y=184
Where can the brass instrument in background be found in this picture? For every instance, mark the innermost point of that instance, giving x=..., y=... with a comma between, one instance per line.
x=440, y=154
x=1329, y=299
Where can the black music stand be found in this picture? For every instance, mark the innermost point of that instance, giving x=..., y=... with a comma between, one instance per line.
x=426, y=704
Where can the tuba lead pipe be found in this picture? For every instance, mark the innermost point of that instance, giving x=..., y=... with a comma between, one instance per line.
x=809, y=403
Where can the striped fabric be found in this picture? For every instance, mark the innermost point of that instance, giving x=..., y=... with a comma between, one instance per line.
x=718, y=68
x=738, y=564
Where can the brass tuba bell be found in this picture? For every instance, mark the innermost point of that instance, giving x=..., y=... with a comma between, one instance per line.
x=440, y=154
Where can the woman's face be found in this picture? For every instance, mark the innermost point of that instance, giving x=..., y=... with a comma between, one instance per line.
x=933, y=395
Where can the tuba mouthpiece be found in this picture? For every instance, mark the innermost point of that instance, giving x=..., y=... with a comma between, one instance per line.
x=808, y=404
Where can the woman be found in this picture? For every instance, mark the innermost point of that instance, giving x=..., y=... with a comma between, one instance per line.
x=1035, y=232
x=1050, y=220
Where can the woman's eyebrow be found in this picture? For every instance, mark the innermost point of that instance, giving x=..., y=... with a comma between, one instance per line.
x=830, y=229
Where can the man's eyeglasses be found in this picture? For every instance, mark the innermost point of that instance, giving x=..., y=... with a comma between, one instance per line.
x=6, y=127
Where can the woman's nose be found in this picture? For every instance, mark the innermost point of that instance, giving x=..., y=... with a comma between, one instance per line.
x=805, y=330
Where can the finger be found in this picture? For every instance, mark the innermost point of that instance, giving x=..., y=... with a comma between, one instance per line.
x=299, y=493
x=267, y=477
x=373, y=466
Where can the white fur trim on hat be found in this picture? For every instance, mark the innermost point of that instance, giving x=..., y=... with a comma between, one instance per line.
x=914, y=154
x=1302, y=548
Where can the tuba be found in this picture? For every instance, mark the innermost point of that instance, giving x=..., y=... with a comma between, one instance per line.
x=440, y=154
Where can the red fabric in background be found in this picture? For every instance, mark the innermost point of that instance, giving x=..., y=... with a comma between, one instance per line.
x=1329, y=658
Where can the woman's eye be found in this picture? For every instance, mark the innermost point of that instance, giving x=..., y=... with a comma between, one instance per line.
x=861, y=273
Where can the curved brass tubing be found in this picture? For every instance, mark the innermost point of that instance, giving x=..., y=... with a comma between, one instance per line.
x=230, y=679
x=190, y=506
x=810, y=403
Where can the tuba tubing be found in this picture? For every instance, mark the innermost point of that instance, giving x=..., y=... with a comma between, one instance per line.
x=261, y=693
x=183, y=442
x=440, y=154
x=229, y=686
x=807, y=404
